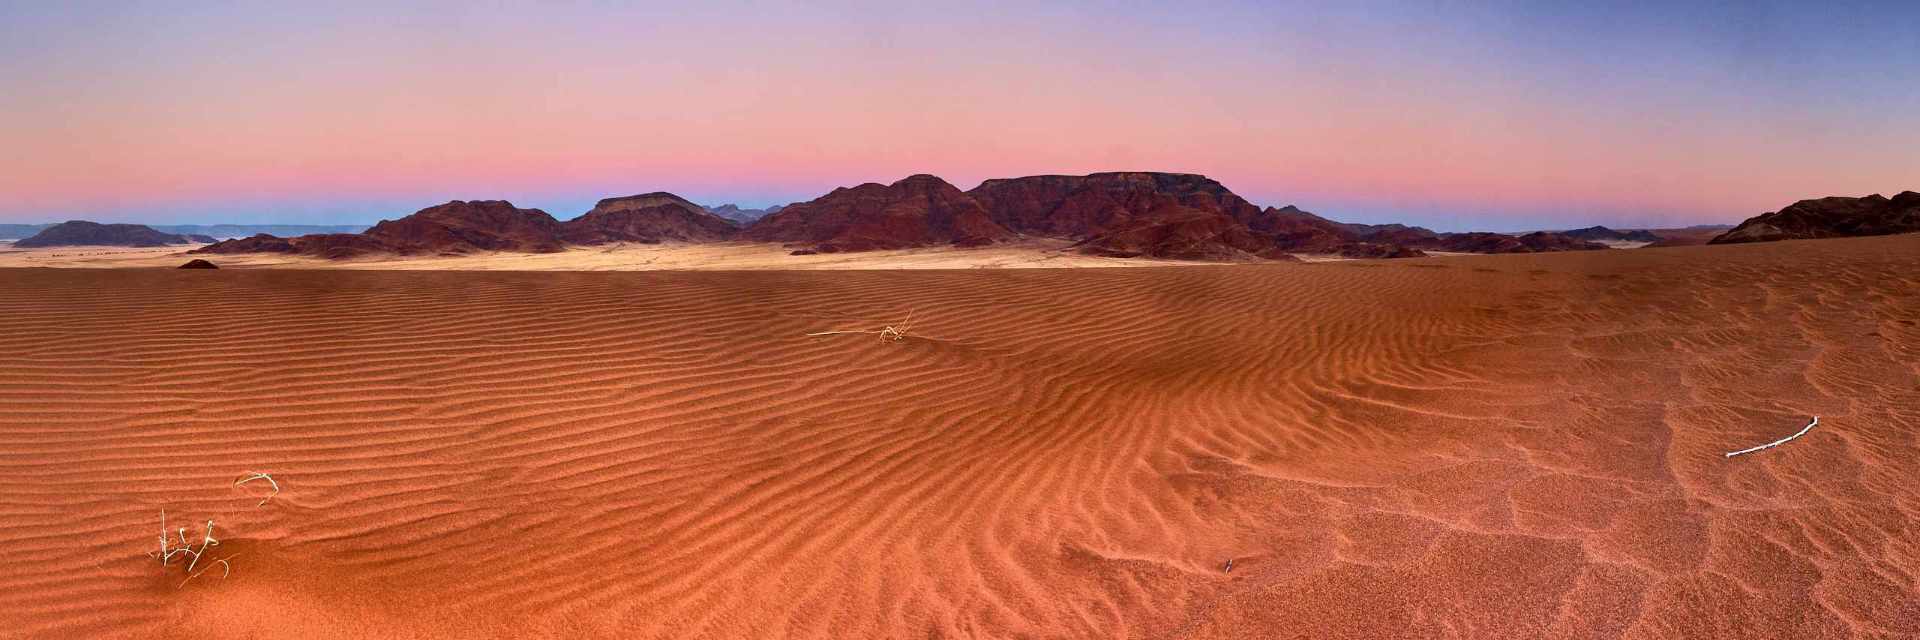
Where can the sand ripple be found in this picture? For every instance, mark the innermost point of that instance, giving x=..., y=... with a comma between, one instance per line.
x=1479, y=447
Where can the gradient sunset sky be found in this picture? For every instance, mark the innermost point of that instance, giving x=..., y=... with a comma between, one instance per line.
x=1483, y=115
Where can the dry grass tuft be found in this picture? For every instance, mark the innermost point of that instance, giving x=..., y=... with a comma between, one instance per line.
x=186, y=550
x=175, y=546
x=889, y=332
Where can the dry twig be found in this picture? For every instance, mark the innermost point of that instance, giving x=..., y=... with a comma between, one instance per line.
x=226, y=570
x=1803, y=431
x=256, y=475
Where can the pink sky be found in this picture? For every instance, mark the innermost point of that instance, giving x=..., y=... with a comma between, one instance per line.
x=360, y=114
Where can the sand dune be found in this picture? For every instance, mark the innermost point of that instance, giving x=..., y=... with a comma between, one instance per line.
x=1516, y=446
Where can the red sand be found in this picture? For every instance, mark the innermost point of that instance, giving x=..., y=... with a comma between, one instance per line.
x=1479, y=447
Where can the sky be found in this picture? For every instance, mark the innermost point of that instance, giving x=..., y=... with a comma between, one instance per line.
x=1458, y=116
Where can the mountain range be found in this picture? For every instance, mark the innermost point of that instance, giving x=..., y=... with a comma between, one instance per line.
x=1599, y=233
x=216, y=231
x=1127, y=214
x=1123, y=214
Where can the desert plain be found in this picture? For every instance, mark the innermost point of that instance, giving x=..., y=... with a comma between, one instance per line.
x=1506, y=446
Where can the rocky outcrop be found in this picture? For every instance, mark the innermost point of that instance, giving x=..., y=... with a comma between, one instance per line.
x=1293, y=229
x=1181, y=234
x=464, y=226
x=1836, y=217
x=83, y=233
x=917, y=211
x=1687, y=236
x=1600, y=233
x=1162, y=215
x=1486, y=242
x=1375, y=251
x=258, y=243
x=198, y=263
x=453, y=228
x=333, y=246
x=1085, y=206
x=648, y=218
x=1400, y=235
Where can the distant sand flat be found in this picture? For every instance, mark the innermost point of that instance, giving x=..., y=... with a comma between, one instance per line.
x=1517, y=446
x=725, y=256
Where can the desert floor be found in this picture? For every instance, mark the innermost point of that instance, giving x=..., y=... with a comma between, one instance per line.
x=729, y=256
x=1475, y=447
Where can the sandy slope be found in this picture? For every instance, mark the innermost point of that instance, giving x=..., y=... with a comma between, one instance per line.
x=1488, y=447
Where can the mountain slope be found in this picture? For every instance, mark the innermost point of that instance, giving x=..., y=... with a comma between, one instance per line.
x=84, y=233
x=742, y=216
x=456, y=227
x=920, y=210
x=647, y=218
x=1835, y=217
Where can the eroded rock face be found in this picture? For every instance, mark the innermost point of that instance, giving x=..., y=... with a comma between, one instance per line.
x=1836, y=217
x=1541, y=241
x=1604, y=233
x=1371, y=250
x=453, y=228
x=1181, y=234
x=257, y=243
x=917, y=211
x=1294, y=229
x=1487, y=242
x=1400, y=235
x=648, y=218
x=1187, y=216
x=1083, y=206
x=335, y=246
x=464, y=226
x=74, y=233
x=1163, y=215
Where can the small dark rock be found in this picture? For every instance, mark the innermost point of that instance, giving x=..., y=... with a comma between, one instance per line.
x=197, y=263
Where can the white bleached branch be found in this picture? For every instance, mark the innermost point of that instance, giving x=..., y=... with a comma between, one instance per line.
x=1803, y=431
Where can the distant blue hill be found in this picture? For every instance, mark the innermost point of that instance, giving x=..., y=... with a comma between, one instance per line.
x=18, y=231
x=224, y=231
x=221, y=231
